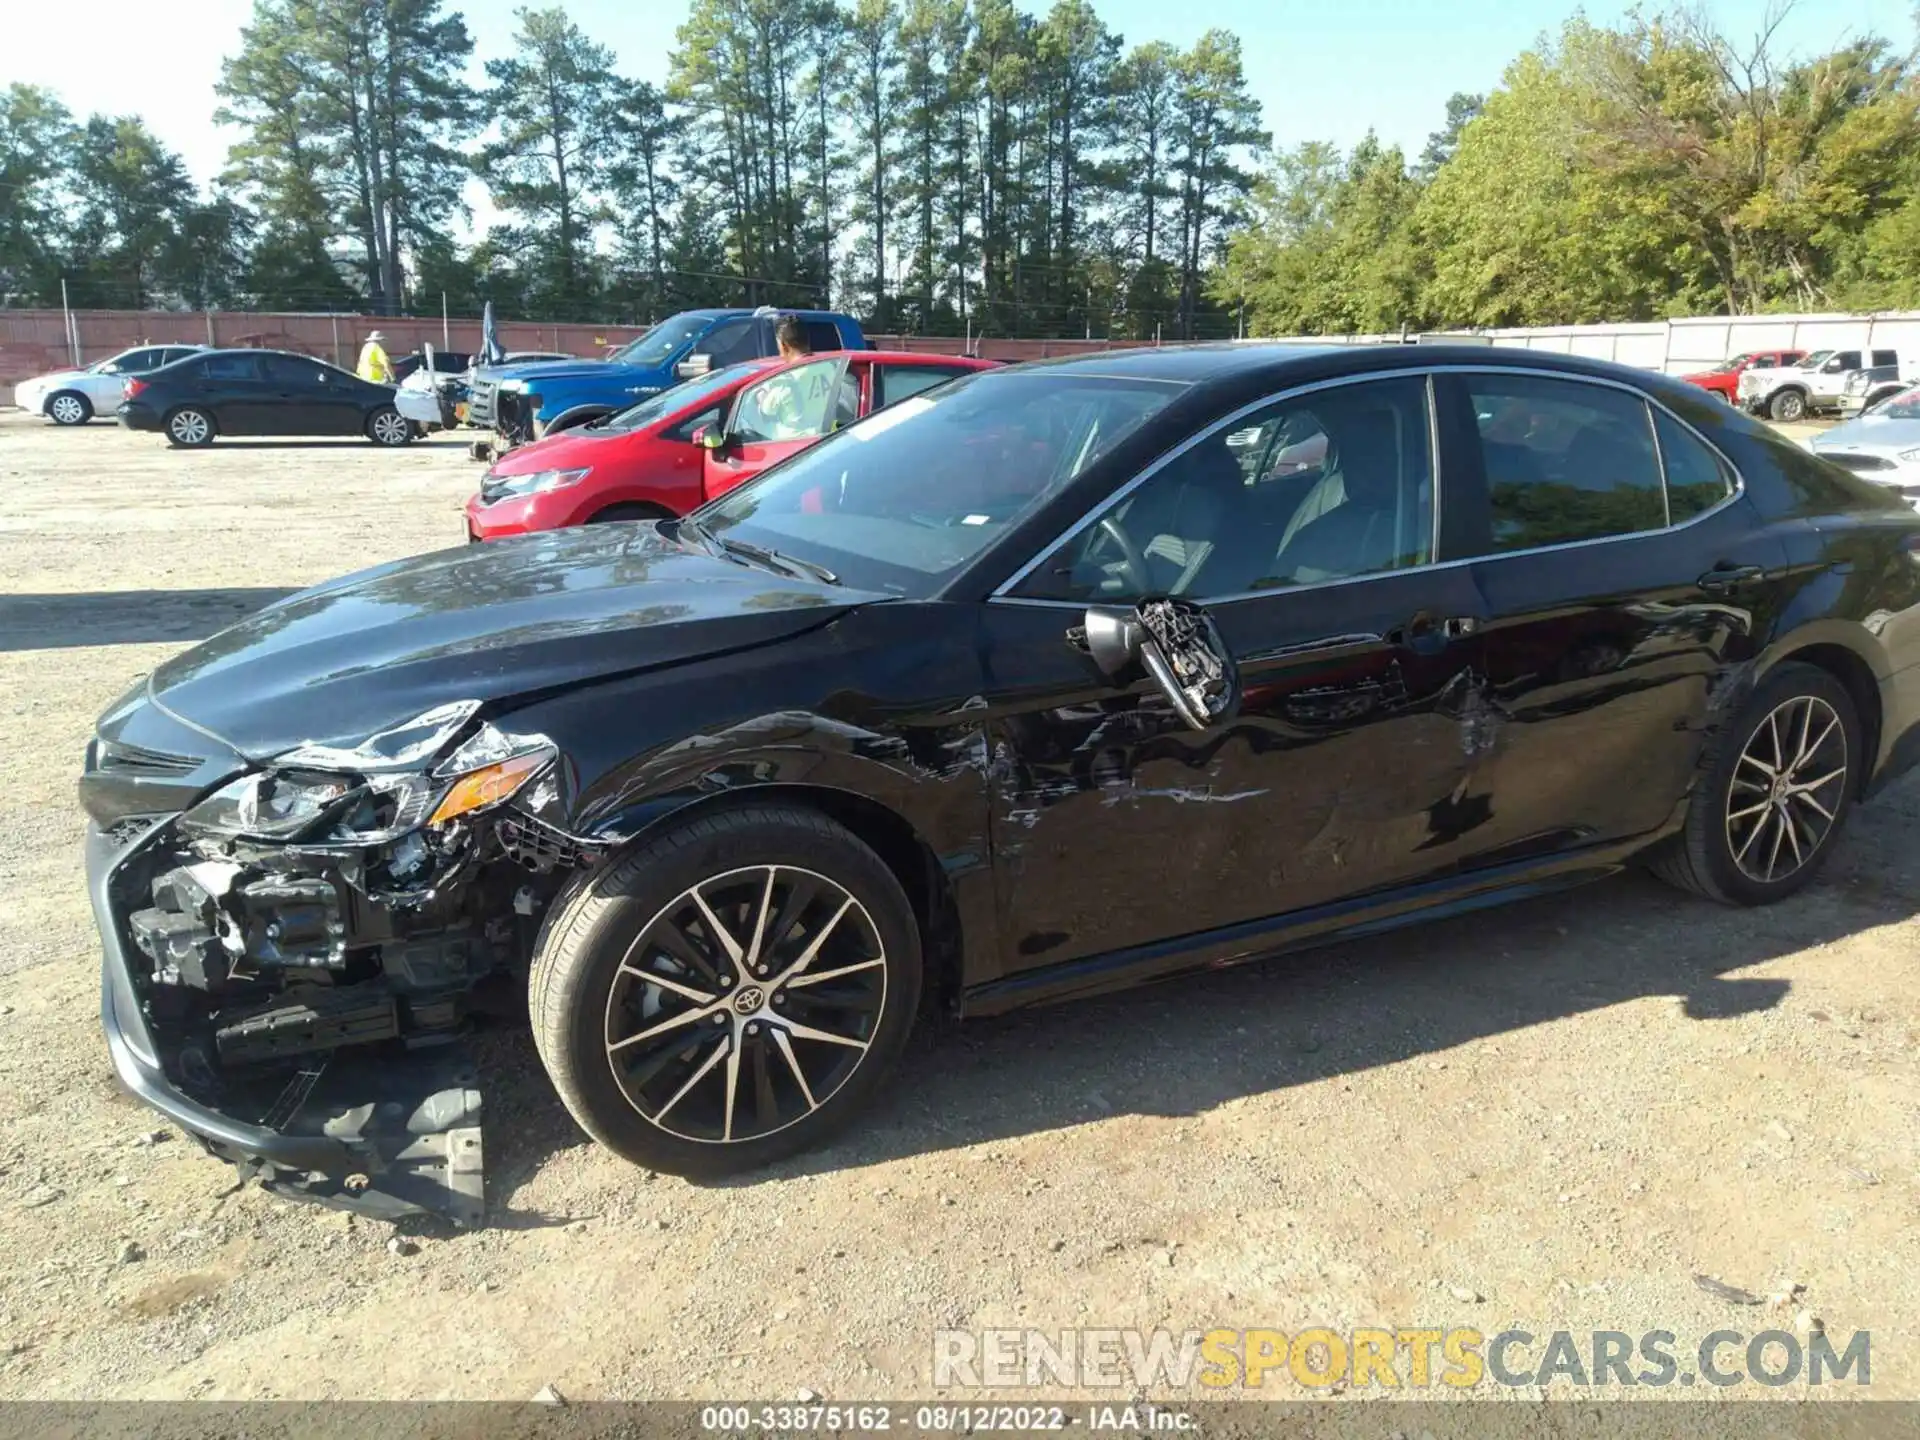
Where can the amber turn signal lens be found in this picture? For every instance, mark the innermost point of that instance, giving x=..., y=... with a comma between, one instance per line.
x=487, y=786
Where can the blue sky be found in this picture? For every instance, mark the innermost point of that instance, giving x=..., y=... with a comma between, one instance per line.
x=1324, y=69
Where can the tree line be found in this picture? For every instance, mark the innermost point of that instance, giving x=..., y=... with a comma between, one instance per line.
x=928, y=164
x=939, y=164
x=1652, y=169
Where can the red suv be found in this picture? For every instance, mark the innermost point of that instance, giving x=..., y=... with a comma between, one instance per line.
x=675, y=451
x=1725, y=381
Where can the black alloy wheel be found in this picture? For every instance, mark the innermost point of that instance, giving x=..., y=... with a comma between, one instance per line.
x=729, y=992
x=1775, y=792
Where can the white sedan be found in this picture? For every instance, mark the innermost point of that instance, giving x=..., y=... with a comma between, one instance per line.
x=73, y=397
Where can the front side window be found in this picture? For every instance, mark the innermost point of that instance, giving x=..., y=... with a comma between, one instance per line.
x=1330, y=485
x=794, y=404
x=1752, y=362
x=671, y=402
x=134, y=362
x=921, y=488
x=729, y=342
x=294, y=374
x=1564, y=461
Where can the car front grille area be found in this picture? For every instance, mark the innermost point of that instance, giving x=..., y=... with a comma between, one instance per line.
x=480, y=396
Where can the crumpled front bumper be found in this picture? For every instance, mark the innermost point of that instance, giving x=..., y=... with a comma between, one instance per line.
x=402, y=1138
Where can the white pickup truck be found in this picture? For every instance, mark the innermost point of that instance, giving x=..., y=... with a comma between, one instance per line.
x=1818, y=383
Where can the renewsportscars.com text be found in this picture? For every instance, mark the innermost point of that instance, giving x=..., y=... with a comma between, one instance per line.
x=1391, y=1358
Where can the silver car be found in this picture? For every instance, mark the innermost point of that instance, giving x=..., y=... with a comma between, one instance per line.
x=1882, y=445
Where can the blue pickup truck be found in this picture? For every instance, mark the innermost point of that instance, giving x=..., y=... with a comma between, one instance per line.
x=521, y=402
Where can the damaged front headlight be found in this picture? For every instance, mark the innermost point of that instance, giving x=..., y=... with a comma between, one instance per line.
x=387, y=786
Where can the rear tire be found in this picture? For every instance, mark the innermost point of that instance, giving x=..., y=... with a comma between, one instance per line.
x=69, y=407
x=1765, y=816
x=387, y=426
x=190, y=428
x=706, y=1054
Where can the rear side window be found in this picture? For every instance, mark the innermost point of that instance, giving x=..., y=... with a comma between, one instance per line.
x=1565, y=461
x=232, y=367
x=1697, y=478
x=894, y=383
x=1885, y=357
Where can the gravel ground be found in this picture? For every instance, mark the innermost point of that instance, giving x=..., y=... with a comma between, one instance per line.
x=1553, y=1116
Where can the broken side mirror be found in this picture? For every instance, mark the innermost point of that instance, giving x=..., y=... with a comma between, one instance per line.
x=1177, y=645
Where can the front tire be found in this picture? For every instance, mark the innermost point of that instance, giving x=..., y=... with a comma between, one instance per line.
x=1787, y=407
x=1775, y=792
x=190, y=428
x=69, y=407
x=728, y=993
x=387, y=426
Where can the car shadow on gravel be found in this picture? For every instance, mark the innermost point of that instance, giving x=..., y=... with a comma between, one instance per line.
x=125, y=617
x=1185, y=1046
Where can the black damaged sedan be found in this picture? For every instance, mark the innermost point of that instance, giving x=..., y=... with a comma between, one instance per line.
x=1049, y=681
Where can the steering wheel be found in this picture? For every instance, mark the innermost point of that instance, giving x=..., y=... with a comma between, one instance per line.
x=1134, y=563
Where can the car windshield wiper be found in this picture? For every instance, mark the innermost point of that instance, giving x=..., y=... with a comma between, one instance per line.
x=760, y=554
x=775, y=559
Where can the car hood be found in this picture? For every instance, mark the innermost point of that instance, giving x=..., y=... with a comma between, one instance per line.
x=568, y=450
x=551, y=370
x=53, y=377
x=1871, y=435
x=491, y=623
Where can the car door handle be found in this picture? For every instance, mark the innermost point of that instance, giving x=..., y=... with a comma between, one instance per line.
x=1724, y=578
x=1430, y=634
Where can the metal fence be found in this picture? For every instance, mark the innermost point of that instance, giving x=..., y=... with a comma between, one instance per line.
x=33, y=342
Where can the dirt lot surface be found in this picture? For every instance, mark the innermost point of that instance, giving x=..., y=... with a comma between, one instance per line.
x=1553, y=1116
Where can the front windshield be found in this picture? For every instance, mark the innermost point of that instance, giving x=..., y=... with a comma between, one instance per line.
x=1904, y=406
x=673, y=400
x=658, y=344
x=1818, y=357
x=905, y=497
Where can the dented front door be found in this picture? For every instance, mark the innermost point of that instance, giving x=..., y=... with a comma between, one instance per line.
x=1349, y=767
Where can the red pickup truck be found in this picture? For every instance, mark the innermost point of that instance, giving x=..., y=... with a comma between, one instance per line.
x=1725, y=380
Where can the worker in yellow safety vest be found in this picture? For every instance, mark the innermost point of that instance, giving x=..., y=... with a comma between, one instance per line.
x=374, y=364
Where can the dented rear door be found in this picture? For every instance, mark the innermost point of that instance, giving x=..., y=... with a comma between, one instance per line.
x=1349, y=766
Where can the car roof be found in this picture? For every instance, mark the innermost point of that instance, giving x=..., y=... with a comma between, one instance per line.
x=1280, y=363
x=918, y=357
